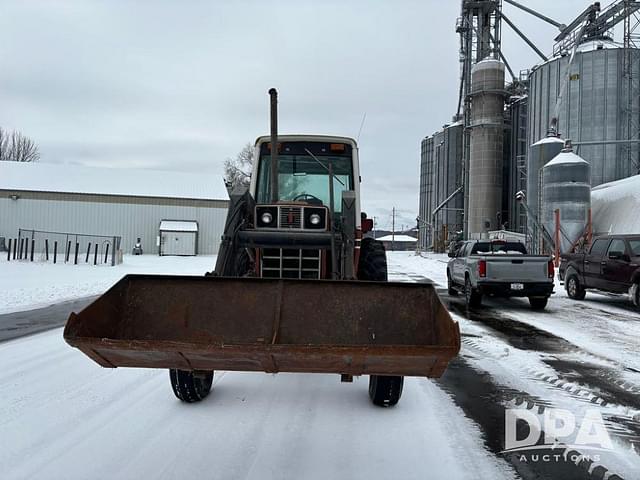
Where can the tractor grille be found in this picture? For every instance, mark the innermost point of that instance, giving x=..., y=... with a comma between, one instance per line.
x=290, y=263
x=291, y=217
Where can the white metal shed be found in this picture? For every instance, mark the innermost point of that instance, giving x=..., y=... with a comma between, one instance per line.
x=178, y=237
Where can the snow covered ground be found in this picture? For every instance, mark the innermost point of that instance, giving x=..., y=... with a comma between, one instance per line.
x=26, y=285
x=65, y=417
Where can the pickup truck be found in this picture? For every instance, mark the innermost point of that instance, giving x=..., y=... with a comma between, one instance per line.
x=502, y=269
x=612, y=264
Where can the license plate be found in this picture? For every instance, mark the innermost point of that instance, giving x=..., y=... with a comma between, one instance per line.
x=517, y=286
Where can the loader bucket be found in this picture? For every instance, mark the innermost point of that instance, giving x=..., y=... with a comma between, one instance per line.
x=271, y=325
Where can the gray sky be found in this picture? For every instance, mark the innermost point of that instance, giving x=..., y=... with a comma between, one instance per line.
x=183, y=85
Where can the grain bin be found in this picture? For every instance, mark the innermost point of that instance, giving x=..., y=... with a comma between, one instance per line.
x=567, y=188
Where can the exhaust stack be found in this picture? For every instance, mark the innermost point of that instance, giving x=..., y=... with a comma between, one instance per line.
x=273, y=93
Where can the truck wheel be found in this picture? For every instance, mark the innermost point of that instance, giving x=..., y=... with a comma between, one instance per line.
x=472, y=297
x=574, y=289
x=384, y=390
x=372, y=265
x=538, y=303
x=450, y=288
x=191, y=386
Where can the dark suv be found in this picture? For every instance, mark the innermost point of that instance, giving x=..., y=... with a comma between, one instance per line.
x=612, y=264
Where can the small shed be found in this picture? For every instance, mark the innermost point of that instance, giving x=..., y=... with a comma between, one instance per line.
x=178, y=237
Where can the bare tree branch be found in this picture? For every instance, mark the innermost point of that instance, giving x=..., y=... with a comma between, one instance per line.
x=15, y=147
x=237, y=171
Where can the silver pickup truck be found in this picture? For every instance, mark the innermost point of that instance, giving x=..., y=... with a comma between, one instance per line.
x=499, y=268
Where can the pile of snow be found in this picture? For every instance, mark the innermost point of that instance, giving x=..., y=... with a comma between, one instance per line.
x=615, y=207
x=26, y=285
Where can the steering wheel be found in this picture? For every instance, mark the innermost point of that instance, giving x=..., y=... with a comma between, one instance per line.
x=307, y=197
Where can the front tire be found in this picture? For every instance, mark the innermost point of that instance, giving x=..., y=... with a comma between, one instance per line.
x=538, y=303
x=574, y=289
x=191, y=386
x=385, y=390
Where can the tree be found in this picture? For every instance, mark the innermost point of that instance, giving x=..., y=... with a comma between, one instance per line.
x=237, y=171
x=15, y=147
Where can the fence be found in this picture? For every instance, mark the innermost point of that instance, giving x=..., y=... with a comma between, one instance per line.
x=64, y=247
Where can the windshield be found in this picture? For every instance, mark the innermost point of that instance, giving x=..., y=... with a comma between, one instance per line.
x=506, y=248
x=303, y=178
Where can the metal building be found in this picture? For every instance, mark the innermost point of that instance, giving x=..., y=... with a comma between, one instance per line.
x=594, y=111
x=103, y=201
x=441, y=180
x=515, y=164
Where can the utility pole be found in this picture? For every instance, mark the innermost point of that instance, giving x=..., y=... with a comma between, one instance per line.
x=374, y=227
x=393, y=227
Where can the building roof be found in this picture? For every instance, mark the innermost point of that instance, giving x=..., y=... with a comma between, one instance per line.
x=179, y=226
x=565, y=157
x=397, y=238
x=67, y=178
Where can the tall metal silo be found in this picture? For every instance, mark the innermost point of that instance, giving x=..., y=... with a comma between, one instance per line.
x=486, y=148
x=596, y=107
x=567, y=188
x=540, y=153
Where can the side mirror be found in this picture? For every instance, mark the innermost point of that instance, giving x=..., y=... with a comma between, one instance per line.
x=616, y=255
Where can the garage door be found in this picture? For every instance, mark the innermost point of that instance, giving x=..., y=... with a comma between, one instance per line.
x=178, y=243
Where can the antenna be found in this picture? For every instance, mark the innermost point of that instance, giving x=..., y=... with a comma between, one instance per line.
x=364, y=117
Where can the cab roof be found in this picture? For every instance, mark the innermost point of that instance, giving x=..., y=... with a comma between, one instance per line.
x=308, y=138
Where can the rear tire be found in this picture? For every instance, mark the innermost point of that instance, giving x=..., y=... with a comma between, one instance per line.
x=450, y=288
x=385, y=390
x=538, y=303
x=574, y=289
x=472, y=297
x=191, y=386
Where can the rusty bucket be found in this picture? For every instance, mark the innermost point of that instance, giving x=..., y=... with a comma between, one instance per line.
x=271, y=325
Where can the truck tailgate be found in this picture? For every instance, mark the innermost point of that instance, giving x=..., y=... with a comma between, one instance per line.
x=517, y=268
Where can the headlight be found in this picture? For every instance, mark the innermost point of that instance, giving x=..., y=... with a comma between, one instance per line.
x=266, y=218
x=314, y=219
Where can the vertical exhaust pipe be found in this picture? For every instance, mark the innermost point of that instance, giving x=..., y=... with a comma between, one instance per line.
x=273, y=93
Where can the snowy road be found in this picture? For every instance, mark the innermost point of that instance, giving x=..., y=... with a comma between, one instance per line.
x=62, y=416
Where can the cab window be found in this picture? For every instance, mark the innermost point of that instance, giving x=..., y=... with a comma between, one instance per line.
x=616, y=246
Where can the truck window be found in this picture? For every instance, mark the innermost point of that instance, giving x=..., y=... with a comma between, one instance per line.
x=505, y=248
x=481, y=248
x=599, y=247
x=617, y=246
x=635, y=247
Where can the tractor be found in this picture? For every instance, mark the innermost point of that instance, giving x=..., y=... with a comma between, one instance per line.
x=297, y=287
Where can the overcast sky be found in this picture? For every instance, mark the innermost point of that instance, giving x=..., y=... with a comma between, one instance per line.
x=182, y=85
